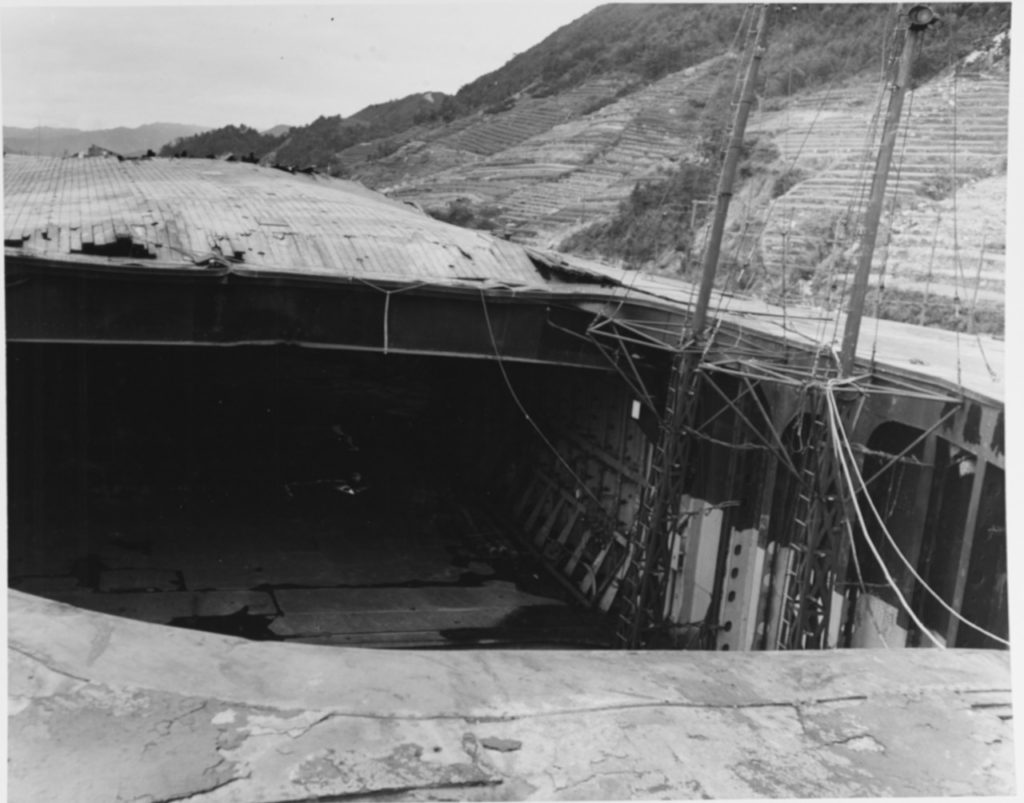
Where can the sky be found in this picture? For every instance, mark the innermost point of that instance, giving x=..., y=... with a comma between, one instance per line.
x=94, y=67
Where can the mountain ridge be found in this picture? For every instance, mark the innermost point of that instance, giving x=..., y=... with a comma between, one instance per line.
x=602, y=139
x=54, y=141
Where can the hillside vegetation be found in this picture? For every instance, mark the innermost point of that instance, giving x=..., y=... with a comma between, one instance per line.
x=606, y=138
x=317, y=143
x=235, y=140
x=810, y=45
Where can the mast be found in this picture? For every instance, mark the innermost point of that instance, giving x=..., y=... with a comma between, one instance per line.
x=728, y=177
x=641, y=598
x=919, y=18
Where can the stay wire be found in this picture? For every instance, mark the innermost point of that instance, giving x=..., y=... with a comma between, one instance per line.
x=863, y=587
x=387, y=303
x=931, y=266
x=835, y=426
x=522, y=408
x=630, y=286
x=848, y=449
x=858, y=202
x=958, y=267
x=737, y=98
x=723, y=297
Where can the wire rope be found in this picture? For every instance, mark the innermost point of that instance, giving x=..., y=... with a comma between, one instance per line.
x=834, y=427
x=960, y=282
x=860, y=583
x=871, y=135
x=522, y=408
x=852, y=469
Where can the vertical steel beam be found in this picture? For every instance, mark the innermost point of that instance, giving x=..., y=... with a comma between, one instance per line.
x=919, y=514
x=873, y=214
x=966, y=546
x=728, y=177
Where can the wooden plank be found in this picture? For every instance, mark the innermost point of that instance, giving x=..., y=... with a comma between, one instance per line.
x=35, y=242
x=238, y=246
x=574, y=516
x=589, y=581
x=12, y=231
x=612, y=591
x=151, y=233
x=157, y=229
x=570, y=565
x=549, y=522
x=609, y=460
x=173, y=239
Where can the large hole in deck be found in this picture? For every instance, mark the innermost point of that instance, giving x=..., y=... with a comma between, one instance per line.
x=280, y=493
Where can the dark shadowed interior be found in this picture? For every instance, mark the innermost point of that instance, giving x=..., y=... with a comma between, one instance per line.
x=281, y=493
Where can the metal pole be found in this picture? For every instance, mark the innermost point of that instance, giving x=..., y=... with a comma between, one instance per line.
x=858, y=292
x=671, y=451
x=728, y=176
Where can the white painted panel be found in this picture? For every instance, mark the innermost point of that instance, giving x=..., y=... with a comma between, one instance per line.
x=783, y=564
x=740, y=591
x=875, y=624
x=703, y=534
x=835, y=619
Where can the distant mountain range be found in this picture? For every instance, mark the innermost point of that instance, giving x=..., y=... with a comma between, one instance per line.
x=316, y=143
x=606, y=138
x=277, y=131
x=46, y=141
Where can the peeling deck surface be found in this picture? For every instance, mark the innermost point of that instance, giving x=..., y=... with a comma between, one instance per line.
x=134, y=712
x=189, y=215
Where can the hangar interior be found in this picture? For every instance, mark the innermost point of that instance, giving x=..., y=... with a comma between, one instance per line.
x=252, y=430
x=279, y=492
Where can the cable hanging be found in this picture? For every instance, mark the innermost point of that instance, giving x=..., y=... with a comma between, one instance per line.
x=848, y=463
x=522, y=408
x=835, y=425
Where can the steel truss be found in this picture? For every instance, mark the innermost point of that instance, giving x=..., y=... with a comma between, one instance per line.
x=816, y=505
x=646, y=578
x=817, y=545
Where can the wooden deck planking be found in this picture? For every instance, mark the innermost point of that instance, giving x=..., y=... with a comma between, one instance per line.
x=64, y=239
x=335, y=225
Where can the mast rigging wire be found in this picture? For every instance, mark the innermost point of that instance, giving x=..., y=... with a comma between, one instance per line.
x=843, y=445
x=522, y=408
x=833, y=418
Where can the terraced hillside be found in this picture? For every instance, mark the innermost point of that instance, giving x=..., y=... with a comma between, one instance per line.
x=944, y=219
x=540, y=169
x=573, y=170
x=428, y=150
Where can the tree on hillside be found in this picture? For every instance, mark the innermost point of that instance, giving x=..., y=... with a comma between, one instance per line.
x=238, y=140
x=655, y=219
